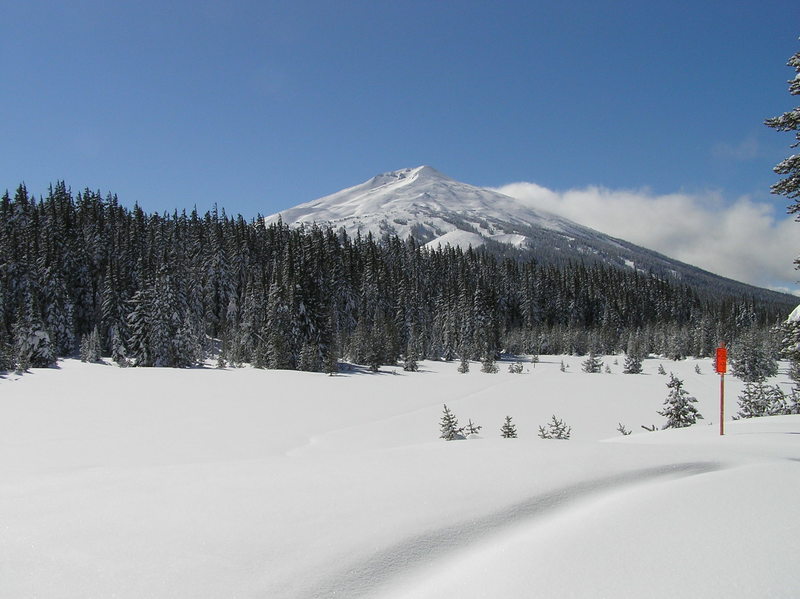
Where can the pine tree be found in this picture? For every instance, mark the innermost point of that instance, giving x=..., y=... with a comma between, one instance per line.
x=448, y=426
x=751, y=358
x=632, y=365
x=758, y=399
x=32, y=345
x=789, y=121
x=118, y=351
x=592, y=364
x=678, y=407
x=472, y=429
x=488, y=365
x=509, y=429
x=463, y=366
x=90, y=347
x=555, y=429
x=633, y=356
x=410, y=363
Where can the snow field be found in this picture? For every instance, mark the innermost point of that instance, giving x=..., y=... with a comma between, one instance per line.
x=251, y=483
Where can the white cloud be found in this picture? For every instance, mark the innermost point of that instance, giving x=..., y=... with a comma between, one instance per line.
x=742, y=240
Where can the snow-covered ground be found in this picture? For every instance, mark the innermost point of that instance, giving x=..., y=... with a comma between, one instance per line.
x=230, y=483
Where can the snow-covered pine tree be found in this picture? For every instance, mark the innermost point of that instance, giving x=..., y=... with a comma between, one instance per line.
x=509, y=429
x=759, y=399
x=633, y=355
x=752, y=359
x=463, y=366
x=118, y=351
x=410, y=362
x=678, y=406
x=90, y=346
x=592, y=363
x=488, y=365
x=793, y=401
x=448, y=426
x=32, y=345
x=789, y=121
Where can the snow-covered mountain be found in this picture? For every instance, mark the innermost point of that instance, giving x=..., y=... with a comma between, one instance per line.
x=434, y=209
x=437, y=210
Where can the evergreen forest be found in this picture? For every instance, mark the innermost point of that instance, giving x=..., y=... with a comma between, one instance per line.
x=83, y=275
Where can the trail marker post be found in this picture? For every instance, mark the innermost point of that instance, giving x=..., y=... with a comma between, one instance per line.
x=721, y=366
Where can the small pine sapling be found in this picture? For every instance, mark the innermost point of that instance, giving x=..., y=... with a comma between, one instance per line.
x=555, y=429
x=697, y=369
x=472, y=429
x=448, y=426
x=608, y=369
x=463, y=367
x=509, y=429
x=661, y=369
x=563, y=367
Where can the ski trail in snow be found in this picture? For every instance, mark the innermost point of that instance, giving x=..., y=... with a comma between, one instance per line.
x=367, y=576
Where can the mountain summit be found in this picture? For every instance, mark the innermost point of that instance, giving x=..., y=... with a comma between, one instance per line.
x=433, y=208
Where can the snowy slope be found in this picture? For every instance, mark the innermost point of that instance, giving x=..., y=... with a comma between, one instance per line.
x=252, y=483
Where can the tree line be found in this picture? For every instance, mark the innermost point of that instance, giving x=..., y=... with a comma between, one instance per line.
x=84, y=274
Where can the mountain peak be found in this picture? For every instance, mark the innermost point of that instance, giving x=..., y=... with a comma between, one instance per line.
x=427, y=204
x=409, y=175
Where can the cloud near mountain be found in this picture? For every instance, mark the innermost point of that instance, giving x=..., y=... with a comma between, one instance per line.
x=743, y=240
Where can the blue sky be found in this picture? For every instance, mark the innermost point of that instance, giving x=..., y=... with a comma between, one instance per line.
x=262, y=105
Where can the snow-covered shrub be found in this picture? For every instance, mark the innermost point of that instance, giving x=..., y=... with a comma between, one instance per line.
x=515, y=368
